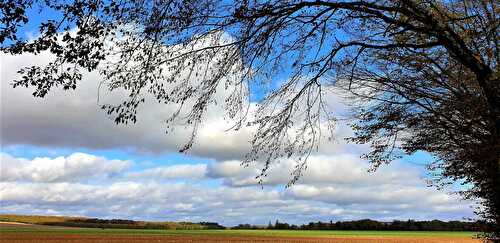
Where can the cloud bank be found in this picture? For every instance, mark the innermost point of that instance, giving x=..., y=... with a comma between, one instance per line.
x=209, y=192
x=76, y=167
x=73, y=119
x=336, y=185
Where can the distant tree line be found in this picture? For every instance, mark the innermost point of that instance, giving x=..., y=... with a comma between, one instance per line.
x=211, y=225
x=417, y=75
x=249, y=226
x=364, y=224
x=131, y=224
x=368, y=224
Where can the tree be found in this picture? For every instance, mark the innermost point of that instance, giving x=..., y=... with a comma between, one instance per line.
x=423, y=75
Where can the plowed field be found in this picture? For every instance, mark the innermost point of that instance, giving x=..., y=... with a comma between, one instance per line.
x=41, y=234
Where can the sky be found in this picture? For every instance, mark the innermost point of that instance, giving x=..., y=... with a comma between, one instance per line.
x=62, y=155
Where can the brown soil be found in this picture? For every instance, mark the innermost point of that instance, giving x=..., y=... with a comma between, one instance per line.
x=4, y=224
x=70, y=238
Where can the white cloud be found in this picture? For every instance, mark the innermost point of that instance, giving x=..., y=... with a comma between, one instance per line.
x=338, y=195
x=199, y=203
x=73, y=119
x=375, y=194
x=335, y=186
x=188, y=171
x=76, y=167
x=340, y=169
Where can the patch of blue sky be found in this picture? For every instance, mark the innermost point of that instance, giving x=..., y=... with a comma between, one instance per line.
x=421, y=160
x=259, y=90
x=140, y=160
x=31, y=152
x=36, y=15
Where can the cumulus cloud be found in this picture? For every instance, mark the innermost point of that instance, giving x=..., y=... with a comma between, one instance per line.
x=335, y=186
x=73, y=119
x=376, y=194
x=188, y=171
x=329, y=193
x=180, y=201
x=76, y=167
x=341, y=169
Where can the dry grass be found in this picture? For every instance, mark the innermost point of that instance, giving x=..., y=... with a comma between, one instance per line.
x=64, y=220
x=35, y=219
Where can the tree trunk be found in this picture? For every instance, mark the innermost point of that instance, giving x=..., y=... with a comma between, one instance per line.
x=494, y=191
x=491, y=191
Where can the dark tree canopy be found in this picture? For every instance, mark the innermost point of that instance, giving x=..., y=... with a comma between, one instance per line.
x=422, y=75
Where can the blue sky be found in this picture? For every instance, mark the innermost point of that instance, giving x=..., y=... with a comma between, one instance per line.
x=61, y=155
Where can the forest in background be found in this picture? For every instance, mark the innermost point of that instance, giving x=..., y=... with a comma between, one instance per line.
x=364, y=224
